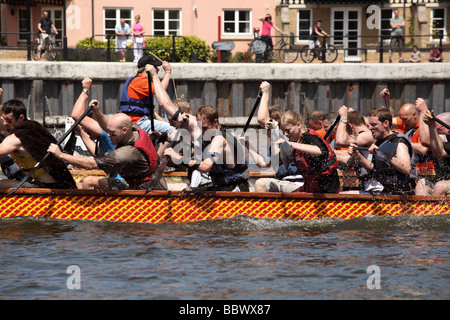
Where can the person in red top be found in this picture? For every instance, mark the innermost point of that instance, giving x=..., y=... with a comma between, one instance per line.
x=435, y=55
x=266, y=29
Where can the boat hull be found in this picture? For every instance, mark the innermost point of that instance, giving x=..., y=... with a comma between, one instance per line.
x=179, y=207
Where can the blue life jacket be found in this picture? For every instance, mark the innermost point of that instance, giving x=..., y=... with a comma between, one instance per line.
x=134, y=106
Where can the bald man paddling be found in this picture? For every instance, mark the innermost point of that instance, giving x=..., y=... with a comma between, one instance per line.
x=134, y=158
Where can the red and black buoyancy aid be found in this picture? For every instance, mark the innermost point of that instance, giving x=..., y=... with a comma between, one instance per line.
x=145, y=145
x=312, y=172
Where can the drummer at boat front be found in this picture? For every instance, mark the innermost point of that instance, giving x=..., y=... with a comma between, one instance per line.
x=134, y=158
x=391, y=164
x=314, y=158
x=26, y=144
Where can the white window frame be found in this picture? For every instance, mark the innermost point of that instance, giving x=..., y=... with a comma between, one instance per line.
x=167, y=30
x=117, y=19
x=297, y=40
x=236, y=23
x=444, y=27
x=18, y=26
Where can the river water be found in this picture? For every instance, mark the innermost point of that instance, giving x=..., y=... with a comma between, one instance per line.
x=237, y=259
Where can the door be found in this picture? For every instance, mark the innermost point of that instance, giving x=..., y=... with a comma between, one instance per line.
x=346, y=31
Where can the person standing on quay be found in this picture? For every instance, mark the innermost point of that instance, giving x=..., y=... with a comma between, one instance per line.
x=138, y=39
x=122, y=32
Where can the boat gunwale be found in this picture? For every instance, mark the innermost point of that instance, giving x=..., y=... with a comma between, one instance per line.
x=223, y=194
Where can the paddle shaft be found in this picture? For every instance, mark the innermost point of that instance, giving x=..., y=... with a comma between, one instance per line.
x=258, y=100
x=338, y=118
x=44, y=158
x=442, y=123
x=152, y=105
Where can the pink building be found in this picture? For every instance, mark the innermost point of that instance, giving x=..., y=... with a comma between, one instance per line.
x=231, y=20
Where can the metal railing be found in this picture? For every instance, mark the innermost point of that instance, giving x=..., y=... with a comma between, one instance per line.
x=173, y=49
x=380, y=44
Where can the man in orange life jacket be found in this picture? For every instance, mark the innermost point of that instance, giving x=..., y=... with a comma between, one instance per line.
x=134, y=158
x=135, y=100
x=27, y=144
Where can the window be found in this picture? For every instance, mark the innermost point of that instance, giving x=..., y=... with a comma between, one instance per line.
x=236, y=22
x=112, y=18
x=438, y=25
x=166, y=22
x=304, y=24
x=385, y=30
x=23, y=22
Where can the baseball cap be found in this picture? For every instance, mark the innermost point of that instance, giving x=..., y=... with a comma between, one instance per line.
x=147, y=59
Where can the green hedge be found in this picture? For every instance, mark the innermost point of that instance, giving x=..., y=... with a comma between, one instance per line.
x=161, y=46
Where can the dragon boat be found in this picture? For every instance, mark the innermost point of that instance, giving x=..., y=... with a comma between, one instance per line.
x=181, y=207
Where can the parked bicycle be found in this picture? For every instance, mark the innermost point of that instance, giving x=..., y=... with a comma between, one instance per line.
x=260, y=52
x=326, y=52
x=49, y=48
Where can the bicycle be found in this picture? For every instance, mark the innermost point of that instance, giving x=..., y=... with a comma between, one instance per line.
x=49, y=48
x=260, y=51
x=327, y=52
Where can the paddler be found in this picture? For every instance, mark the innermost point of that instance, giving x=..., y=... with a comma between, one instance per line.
x=395, y=170
x=220, y=149
x=27, y=144
x=314, y=158
x=134, y=158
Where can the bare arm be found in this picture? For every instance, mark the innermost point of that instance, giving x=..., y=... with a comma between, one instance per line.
x=343, y=139
x=10, y=144
x=424, y=133
x=163, y=98
x=79, y=108
x=79, y=162
x=166, y=79
x=402, y=161
x=263, y=110
x=101, y=119
x=437, y=146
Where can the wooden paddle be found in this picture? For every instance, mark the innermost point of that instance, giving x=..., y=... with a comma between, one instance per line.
x=258, y=100
x=338, y=118
x=44, y=158
x=163, y=163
